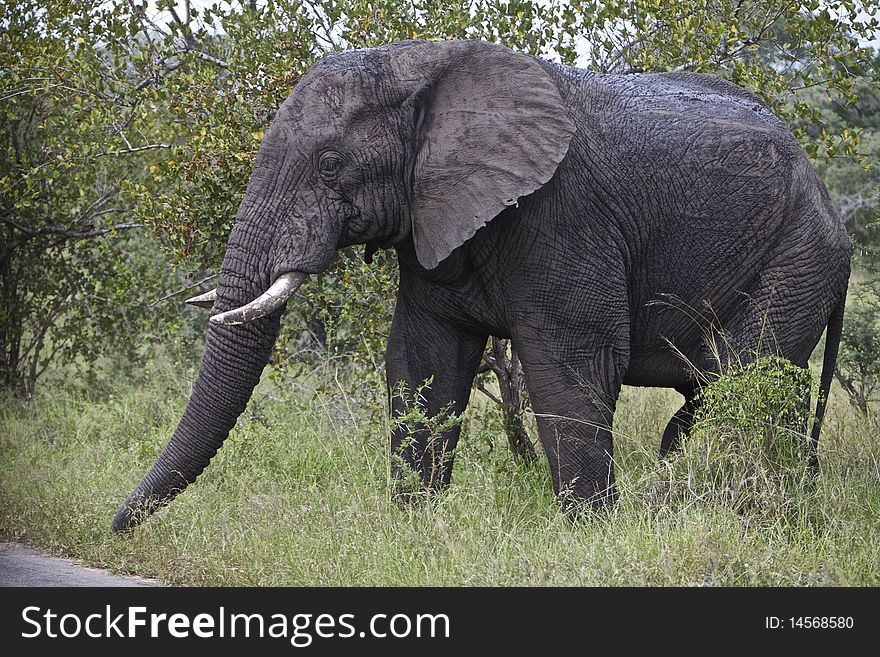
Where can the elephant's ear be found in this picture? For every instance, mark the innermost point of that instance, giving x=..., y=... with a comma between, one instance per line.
x=491, y=127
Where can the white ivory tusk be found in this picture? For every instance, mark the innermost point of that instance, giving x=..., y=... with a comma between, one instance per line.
x=205, y=300
x=277, y=294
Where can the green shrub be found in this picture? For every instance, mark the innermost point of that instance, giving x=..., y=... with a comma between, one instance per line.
x=405, y=483
x=748, y=449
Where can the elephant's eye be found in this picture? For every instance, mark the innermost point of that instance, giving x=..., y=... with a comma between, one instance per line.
x=329, y=165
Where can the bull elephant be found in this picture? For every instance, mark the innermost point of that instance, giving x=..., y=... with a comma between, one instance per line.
x=614, y=227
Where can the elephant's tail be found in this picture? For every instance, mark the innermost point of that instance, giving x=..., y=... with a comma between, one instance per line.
x=829, y=363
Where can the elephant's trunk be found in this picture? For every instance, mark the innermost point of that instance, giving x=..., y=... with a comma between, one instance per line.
x=233, y=360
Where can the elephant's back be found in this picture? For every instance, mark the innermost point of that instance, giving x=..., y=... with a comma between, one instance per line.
x=696, y=174
x=706, y=187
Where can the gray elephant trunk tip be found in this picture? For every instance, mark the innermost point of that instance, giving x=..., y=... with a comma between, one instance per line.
x=127, y=518
x=122, y=521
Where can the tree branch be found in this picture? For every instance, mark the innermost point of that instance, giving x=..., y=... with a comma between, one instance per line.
x=138, y=149
x=30, y=233
x=486, y=392
x=182, y=290
x=219, y=63
x=169, y=66
x=84, y=235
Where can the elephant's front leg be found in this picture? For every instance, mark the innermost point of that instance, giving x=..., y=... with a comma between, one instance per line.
x=421, y=349
x=573, y=395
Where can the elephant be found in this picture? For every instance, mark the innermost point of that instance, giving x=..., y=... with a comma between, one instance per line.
x=620, y=229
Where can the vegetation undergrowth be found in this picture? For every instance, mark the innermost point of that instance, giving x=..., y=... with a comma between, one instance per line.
x=299, y=495
x=749, y=449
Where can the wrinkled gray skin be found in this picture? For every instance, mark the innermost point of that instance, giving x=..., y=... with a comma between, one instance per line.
x=612, y=226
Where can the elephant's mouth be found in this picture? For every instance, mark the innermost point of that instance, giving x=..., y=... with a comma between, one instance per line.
x=276, y=296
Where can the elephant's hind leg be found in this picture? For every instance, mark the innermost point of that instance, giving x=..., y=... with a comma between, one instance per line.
x=680, y=424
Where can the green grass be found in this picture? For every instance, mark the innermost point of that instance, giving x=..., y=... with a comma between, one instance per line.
x=299, y=496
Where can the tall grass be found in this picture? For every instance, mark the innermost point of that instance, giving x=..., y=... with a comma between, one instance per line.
x=299, y=495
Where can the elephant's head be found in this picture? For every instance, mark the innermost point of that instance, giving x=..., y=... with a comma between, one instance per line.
x=419, y=140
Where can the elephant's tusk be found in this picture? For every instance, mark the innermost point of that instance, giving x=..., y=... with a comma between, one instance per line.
x=205, y=300
x=276, y=296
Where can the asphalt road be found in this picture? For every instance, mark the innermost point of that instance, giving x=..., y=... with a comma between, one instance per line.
x=25, y=566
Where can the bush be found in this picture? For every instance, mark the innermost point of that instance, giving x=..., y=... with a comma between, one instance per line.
x=748, y=449
x=415, y=422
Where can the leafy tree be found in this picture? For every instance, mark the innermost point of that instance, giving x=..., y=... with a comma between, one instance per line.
x=75, y=269
x=853, y=183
